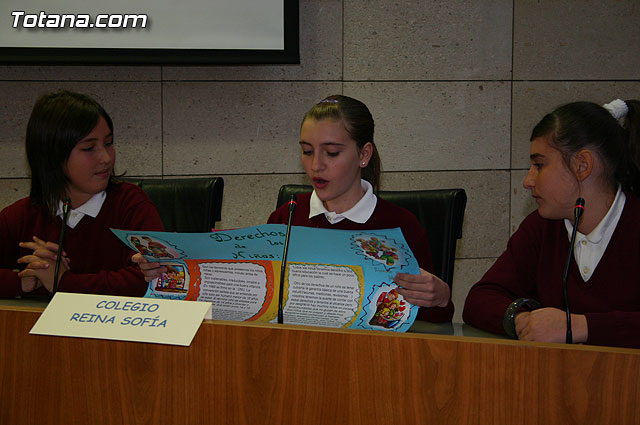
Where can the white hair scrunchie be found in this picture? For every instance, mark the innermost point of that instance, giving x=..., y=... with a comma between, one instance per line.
x=617, y=108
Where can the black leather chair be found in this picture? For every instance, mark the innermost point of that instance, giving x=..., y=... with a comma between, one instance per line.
x=186, y=204
x=440, y=211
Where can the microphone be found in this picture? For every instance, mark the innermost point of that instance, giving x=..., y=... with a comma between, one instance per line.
x=292, y=206
x=577, y=213
x=66, y=205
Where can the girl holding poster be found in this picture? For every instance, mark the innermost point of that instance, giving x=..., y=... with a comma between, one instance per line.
x=342, y=162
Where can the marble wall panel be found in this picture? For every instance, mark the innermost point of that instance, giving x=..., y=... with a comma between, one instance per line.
x=466, y=273
x=422, y=126
x=249, y=199
x=408, y=40
x=236, y=128
x=522, y=204
x=12, y=190
x=134, y=108
x=576, y=40
x=79, y=73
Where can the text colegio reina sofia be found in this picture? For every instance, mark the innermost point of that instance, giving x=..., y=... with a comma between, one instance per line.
x=116, y=306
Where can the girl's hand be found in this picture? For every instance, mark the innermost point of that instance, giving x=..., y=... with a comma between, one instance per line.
x=549, y=324
x=41, y=269
x=46, y=250
x=150, y=270
x=30, y=283
x=424, y=289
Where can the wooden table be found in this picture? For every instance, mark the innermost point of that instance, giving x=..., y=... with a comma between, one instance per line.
x=238, y=373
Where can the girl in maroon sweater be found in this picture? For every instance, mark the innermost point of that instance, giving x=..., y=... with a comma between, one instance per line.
x=343, y=165
x=69, y=144
x=342, y=162
x=580, y=150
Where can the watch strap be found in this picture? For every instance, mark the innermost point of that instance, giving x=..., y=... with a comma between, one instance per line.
x=509, y=318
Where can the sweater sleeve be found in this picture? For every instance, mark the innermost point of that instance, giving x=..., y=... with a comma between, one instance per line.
x=127, y=281
x=616, y=328
x=436, y=314
x=512, y=276
x=10, y=285
x=118, y=275
x=276, y=217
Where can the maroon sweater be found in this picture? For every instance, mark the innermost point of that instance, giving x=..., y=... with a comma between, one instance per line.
x=533, y=266
x=385, y=216
x=100, y=262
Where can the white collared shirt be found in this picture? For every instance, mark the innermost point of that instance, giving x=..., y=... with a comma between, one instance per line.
x=359, y=213
x=590, y=248
x=91, y=208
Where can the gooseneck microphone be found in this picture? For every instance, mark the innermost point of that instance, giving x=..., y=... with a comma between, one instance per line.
x=66, y=205
x=292, y=206
x=577, y=213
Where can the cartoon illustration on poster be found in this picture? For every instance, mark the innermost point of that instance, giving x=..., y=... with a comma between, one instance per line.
x=175, y=281
x=379, y=250
x=391, y=309
x=154, y=247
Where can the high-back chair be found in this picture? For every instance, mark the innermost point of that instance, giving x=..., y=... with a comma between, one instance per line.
x=185, y=205
x=439, y=211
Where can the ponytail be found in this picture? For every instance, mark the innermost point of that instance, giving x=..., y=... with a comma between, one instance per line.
x=612, y=130
x=630, y=178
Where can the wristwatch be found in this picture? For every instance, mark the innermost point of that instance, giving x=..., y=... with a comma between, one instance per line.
x=509, y=318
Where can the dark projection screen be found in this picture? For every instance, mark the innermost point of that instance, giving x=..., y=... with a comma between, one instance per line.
x=149, y=32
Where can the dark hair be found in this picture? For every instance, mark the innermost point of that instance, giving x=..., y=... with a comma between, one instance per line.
x=359, y=124
x=581, y=125
x=58, y=121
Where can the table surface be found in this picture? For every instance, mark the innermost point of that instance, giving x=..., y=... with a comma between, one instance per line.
x=455, y=329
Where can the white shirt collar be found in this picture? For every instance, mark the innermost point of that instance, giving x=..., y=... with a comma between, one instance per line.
x=91, y=208
x=359, y=213
x=590, y=248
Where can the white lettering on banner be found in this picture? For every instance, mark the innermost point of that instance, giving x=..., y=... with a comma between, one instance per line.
x=21, y=19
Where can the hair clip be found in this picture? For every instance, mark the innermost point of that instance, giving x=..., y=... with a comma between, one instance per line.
x=617, y=108
x=329, y=101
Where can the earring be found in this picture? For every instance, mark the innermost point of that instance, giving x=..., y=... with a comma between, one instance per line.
x=364, y=164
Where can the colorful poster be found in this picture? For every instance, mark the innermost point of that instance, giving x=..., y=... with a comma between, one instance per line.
x=333, y=278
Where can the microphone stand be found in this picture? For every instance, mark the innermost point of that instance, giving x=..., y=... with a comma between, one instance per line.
x=66, y=205
x=577, y=211
x=292, y=206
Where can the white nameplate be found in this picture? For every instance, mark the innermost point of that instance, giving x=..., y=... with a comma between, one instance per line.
x=122, y=318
